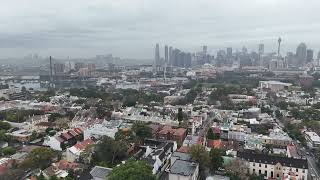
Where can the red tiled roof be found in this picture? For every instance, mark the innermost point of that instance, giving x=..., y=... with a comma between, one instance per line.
x=78, y=130
x=82, y=145
x=200, y=140
x=73, y=133
x=3, y=169
x=214, y=143
x=217, y=143
x=183, y=149
x=166, y=130
x=216, y=130
x=65, y=165
x=66, y=136
x=180, y=132
x=169, y=129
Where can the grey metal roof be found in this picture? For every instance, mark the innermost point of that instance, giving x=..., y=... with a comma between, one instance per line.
x=268, y=159
x=100, y=172
x=184, y=168
x=182, y=156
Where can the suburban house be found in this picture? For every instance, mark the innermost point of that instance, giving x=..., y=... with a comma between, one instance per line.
x=168, y=133
x=156, y=153
x=73, y=153
x=60, y=169
x=182, y=167
x=65, y=139
x=274, y=166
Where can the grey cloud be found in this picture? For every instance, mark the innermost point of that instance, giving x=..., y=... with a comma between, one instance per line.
x=130, y=28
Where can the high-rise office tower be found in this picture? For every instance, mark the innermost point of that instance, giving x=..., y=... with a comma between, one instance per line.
x=290, y=58
x=175, y=57
x=205, y=49
x=157, y=55
x=51, y=74
x=309, y=55
x=58, y=68
x=166, y=54
x=244, y=50
x=188, y=60
x=261, y=49
x=301, y=54
x=229, y=52
x=170, y=55
x=318, y=55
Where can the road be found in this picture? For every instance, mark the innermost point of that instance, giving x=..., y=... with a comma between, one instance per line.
x=313, y=169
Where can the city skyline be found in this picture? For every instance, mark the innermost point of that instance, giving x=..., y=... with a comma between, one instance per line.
x=130, y=29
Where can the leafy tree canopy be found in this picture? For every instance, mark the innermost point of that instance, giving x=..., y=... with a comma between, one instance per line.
x=39, y=158
x=132, y=170
x=110, y=152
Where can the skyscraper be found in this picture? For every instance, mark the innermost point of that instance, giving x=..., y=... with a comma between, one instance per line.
x=301, y=54
x=205, y=49
x=58, y=68
x=229, y=52
x=318, y=55
x=157, y=55
x=170, y=55
x=244, y=50
x=175, y=57
x=261, y=49
x=260, y=53
x=309, y=55
x=290, y=58
x=166, y=54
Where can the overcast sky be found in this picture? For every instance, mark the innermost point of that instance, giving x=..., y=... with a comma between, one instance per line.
x=130, y=28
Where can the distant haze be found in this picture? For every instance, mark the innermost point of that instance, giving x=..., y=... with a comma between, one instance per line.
x=130, y=28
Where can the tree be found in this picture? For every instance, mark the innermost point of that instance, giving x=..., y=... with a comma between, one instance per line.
x=132, y=170
x=278, y=114
x=71, y=175
x=5, y=125
x=256, y=177
x=216, y=159
x=142, y=131
x=54, y=177
x=86, y=154
x=41, y=177
x=124, y=135
x=3, y=136
x=23, y=89
x=237, y=169
x=39, y=158
x=33, y=136
x=13, y=174
x=110, y=152
x=129, y=101
x=211, y=135
x=8, y=150
x=269, y=148
x=200, y=155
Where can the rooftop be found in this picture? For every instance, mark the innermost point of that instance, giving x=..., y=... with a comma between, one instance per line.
x=184, y=168
x=267, y=159
x=182, y=156
x=313, y=136
x=100, y=172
